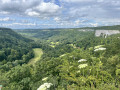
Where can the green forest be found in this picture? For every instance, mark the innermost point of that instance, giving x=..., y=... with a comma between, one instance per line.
x=59, y=59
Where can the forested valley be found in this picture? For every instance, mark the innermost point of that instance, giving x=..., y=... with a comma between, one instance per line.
x=66, y=59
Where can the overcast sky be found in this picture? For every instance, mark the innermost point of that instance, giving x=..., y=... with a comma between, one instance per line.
x=58, y=13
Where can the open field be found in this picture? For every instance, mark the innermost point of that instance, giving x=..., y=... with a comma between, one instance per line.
x=38, y=53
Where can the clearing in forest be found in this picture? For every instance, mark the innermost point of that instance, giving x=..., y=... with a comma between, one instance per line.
x=38, y=53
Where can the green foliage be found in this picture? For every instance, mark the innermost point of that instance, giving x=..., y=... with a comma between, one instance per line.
x=12, y=45
x=60, y=64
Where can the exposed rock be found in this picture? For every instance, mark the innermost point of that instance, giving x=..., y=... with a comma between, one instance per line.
x=106, y=32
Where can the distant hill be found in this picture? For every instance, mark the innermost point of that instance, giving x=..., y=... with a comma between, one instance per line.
x=8, y=38
x=12, y=45
x=56, y=36
x=115, y=27
x=6, y=32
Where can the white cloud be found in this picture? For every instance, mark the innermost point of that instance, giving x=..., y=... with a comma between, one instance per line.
x=6, y=1
x=6, y=25
x=47, y=7
x=25, y=24
x=18, y=25
x=100, y=0
x=57, y=19
x=77, y=22
x=66, y=13
x=76, y=0
x=32, y=13
x=44, y=9
x=4, y=12
x=6, y=19
x=94, y=24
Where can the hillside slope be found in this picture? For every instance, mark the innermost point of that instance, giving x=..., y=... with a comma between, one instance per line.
x=85, y=62
x=9, y=38
x=12, y=45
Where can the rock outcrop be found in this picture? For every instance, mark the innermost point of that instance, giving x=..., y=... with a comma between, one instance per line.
x=106, y=32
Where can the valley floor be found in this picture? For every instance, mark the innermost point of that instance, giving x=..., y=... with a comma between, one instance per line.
x=38, y=53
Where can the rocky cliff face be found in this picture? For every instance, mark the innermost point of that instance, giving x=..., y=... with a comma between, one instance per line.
x=106, y=32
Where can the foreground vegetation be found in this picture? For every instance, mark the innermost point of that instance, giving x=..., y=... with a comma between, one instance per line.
x=78, y=61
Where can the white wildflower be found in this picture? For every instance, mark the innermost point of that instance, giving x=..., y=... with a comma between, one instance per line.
x=63, y=55
x=82, y=66
x=44, y=79
x=100, y=49
x=45, y=86
x=82, y=60
x=78, y=71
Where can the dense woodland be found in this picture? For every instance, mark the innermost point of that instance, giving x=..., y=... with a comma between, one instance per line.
x=71, y=60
